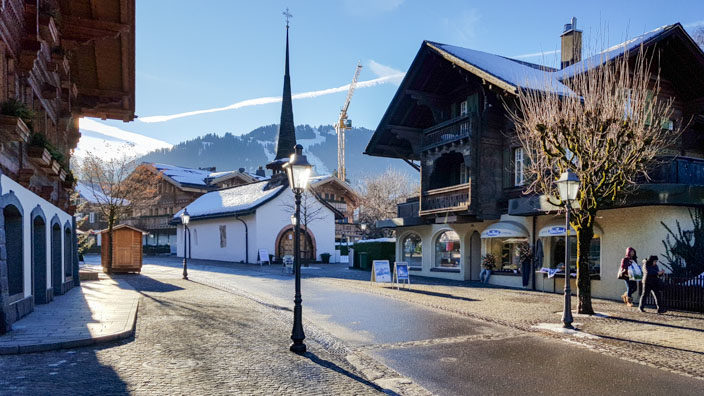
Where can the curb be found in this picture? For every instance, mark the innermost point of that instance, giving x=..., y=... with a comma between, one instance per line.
x=128, y=331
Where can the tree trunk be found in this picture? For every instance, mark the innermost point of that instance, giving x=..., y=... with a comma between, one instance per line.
x=585, y=233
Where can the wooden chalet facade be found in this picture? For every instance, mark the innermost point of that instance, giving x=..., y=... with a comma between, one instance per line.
x=60, y=60
x=448, y=121
x=343, y=201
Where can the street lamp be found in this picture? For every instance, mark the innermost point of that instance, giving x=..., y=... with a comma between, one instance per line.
x=298, y=171
x=568, y=186
x=185, y=218
x=363, y=226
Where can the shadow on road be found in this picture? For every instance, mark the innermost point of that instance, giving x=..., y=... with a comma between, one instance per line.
x=657, y=324
x=436, y=294
x=332, y=366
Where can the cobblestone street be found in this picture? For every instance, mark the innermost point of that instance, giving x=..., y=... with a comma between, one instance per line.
x=192, y=340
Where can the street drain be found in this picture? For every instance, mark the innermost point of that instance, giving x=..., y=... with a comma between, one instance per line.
x=171, y=364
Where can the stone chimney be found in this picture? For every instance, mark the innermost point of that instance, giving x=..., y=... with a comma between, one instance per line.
x=571, y=46
x=260, y=172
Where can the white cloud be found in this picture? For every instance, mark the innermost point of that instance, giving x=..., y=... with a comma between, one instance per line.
x=464, y=25
x=382, y=70
x=389, y=78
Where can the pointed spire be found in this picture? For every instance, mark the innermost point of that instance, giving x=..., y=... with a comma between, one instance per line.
x=286, y=136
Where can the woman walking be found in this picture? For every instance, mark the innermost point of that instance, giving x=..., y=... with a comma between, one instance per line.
x=623, y=273
x=651, y=284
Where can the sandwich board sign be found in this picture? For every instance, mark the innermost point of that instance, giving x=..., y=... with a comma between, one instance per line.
x=264, y=257
x=381, y=271
x=401, y=273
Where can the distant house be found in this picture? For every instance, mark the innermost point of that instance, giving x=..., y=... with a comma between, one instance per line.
x=448, y=115
x=232, y=224
x=176, y=187
x=344, y=201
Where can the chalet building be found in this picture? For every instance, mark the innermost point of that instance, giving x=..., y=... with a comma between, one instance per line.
x=60, y=60
x=172, y=188
x=448, y=115
x=343, y=201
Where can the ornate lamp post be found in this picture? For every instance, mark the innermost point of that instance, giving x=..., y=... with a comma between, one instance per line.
x=363, y=227
x=568, y=186
x=298, y=171
x=185, y=218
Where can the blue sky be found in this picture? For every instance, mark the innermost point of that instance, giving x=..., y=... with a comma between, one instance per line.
x=222, y=52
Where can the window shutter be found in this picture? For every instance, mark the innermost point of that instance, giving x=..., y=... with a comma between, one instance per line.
x=507, y=168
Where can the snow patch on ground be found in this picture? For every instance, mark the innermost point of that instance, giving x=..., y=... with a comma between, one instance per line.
x=557, y=328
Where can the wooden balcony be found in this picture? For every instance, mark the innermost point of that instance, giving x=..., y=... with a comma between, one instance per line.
x=449, y=131
x=446, y=199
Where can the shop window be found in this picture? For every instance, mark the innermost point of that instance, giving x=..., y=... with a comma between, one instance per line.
x=412, y=252
x=510, y=253
x=558, y=254
x=14, y=248
x=447, y=250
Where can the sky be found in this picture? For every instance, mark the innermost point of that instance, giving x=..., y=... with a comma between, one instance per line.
x=222, y=53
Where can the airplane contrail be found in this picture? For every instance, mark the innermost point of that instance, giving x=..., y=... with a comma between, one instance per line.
x=392, y=78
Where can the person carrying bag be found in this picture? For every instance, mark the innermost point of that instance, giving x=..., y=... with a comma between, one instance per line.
x=652, y=284
x=624, y=273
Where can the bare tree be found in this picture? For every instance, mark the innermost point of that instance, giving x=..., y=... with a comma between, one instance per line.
x=112, y=191
x=699, y=37
x=607, y=131
x=379, y=196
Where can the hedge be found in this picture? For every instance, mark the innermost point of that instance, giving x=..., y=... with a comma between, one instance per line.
x=376, y=251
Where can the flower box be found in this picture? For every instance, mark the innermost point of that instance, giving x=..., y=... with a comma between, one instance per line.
x=13, y=129
x=55, y=167
x=40, y=156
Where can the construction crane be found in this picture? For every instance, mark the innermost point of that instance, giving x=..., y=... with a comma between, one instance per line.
x=343, y=124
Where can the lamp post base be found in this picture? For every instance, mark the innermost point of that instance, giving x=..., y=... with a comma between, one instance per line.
x=298, y=348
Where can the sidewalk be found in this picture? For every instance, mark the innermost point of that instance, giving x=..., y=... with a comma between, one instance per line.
x=95, y=312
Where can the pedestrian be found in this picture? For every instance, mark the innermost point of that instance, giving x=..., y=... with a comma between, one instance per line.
x=627, y=262
x=652, y=283
x=488, y=264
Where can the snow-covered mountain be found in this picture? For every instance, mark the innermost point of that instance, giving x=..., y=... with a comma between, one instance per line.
x=257, y=148
x=108, y=142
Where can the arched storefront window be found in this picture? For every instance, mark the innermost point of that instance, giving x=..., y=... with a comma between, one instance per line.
x=447, y=250
x=14, y=249
x=412, y=250
x=68, y=252
x=558, y=253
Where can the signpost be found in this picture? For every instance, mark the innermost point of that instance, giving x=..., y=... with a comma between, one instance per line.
x=401, y=273
x=381, y=272
x=263, y=257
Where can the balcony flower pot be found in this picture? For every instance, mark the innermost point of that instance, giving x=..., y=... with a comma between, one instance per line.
x=40, y=156
x=13, y=129
x=55, y=167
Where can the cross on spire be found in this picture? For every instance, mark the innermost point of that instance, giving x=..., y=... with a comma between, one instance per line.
x=288, y=16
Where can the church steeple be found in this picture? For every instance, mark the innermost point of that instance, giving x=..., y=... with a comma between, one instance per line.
x=286, y=136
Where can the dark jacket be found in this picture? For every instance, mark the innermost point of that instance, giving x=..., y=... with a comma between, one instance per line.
x=650, y=274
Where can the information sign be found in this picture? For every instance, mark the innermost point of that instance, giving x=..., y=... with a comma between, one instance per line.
x=381, y=271
x=264, y=257
x=401, y=273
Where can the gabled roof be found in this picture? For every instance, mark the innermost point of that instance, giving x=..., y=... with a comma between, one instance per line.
x=121, y=226
x=230, y=201
x=322, y=180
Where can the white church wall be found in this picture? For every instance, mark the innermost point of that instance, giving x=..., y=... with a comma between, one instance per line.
x=205, y=239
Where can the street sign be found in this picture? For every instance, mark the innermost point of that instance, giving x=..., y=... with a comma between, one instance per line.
x=381, y=272
x=401, y=273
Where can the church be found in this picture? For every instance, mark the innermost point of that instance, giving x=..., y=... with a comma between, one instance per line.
x=234, y=224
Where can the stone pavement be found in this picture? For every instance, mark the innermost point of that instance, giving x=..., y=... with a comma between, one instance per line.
x=94, y=312
x=672, y=341
x=191, y=339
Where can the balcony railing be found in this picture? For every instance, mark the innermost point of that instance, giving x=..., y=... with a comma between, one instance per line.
x=449, y=131
x=677, y=170
x=410, y=208
x=446, y=199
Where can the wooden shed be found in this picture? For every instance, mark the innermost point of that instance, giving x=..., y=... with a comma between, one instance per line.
x=127, y=250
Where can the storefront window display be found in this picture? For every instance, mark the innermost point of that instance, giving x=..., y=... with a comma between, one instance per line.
x=558, y=253
x=447, y=250
x=509, y=253
x=412, y=250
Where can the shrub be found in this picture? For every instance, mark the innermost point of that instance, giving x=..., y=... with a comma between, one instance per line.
x=376, y=251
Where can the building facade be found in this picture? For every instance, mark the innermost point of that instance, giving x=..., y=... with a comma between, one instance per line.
x=448, y=120
x=343, y=201
x=51, y=74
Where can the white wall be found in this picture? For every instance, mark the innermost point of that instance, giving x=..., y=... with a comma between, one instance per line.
x=29, y=201
x=264, y=227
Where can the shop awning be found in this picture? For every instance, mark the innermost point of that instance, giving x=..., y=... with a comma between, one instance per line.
x=558, y=229
x=505, y=229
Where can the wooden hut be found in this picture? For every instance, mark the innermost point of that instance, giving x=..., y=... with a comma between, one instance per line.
x=127, y=249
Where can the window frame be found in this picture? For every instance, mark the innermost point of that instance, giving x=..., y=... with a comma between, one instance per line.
x=519, y=178
x=407, y=259
x=436, y=252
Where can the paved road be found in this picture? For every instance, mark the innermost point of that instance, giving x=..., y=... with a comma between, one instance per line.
x=445, y=353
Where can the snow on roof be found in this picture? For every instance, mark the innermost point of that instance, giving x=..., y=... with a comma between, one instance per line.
x=377, y=240
x=611, y=53
x=516, y=73
x=183, y=175
x=231, y=200
x=90, y=194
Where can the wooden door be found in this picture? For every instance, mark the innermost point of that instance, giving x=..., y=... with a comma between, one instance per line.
x=123, y=248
